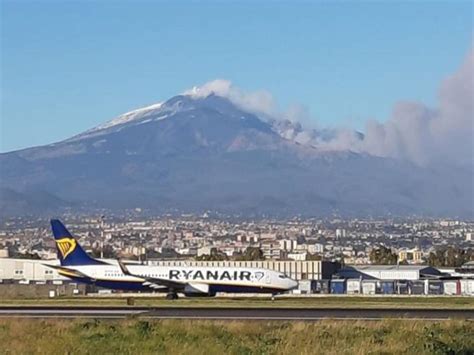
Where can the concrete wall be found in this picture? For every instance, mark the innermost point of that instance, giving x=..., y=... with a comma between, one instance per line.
x=12, y=291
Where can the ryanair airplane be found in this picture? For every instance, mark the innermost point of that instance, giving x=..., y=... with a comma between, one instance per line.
x=191, y=281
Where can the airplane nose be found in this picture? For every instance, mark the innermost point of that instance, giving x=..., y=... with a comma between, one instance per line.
x=293, y=284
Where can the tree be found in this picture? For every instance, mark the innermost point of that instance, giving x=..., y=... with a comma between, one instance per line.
x=251, y=254
x=215, y=255
x=32, y=256
x=316, y=257
x=383, y=256
x=450, y=257
x=109, y=252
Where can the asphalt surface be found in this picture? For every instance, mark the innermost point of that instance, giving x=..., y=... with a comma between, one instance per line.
x=288, y=314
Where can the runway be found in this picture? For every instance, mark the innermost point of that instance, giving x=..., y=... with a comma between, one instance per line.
x=216, y=313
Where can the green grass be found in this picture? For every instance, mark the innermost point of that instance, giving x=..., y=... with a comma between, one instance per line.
x=26, y=336
x=293, y=302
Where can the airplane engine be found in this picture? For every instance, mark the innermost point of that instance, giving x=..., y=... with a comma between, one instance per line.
x=198, y=290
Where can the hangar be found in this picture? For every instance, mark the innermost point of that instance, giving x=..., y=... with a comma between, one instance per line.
x=389, y=272
x=28, y=270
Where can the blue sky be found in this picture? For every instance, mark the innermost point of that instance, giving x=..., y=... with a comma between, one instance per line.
x=68, y=66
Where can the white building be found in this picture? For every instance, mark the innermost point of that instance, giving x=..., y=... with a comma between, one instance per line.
x=271, y=249
x=288, y=244
x=204, y=251
x=297, y=256
x=389, y=272
x=315, y=248
x=25, y=269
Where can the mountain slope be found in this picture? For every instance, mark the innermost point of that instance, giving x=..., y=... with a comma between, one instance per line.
x=197, y=154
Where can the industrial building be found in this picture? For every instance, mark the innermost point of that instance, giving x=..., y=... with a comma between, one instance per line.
x=389, y=272
x=32, y=279
x=28, y=270
x=400, y=279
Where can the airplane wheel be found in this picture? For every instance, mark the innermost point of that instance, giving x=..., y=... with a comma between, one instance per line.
x=171, y=296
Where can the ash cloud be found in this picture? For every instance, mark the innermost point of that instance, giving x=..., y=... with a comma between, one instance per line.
x=259, y=102
x=414, y=131
x=421, y=134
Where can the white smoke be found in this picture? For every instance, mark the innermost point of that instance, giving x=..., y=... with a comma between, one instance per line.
x=423, y=135
x=259, y=102
x=413, y=132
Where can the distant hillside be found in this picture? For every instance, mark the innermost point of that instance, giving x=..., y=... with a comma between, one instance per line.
x=197, y=154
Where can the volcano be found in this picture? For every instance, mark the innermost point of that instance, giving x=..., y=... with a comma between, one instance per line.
x=197, y=154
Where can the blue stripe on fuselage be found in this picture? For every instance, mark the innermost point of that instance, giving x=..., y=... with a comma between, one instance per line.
x=123, y=285
x=138, y=286
x=114, y=285
x=243, y=289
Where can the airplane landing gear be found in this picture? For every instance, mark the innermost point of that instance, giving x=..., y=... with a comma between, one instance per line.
x=172, y=296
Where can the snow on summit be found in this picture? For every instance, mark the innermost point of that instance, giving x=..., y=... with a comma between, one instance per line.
x=129, y=116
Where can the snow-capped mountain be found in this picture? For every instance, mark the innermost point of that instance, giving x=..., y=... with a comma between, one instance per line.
x=206, y=153
x=128, y=117
x=289, y=130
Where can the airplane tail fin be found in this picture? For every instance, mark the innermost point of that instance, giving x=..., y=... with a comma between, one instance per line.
x=69, y=251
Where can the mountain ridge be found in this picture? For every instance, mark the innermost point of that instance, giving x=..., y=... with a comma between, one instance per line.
x=199, y=154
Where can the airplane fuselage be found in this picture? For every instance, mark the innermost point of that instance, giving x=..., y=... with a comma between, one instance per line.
x=198, y=279
x=76, y=264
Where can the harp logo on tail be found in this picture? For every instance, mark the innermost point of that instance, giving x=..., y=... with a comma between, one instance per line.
x=66, y=246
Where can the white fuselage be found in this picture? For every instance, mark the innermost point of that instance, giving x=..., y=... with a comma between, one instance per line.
x=200, y=279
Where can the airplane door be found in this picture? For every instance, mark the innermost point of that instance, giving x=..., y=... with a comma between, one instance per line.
x=267, y=278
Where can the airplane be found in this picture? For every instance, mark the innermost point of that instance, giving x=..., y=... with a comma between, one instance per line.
x=192, y=281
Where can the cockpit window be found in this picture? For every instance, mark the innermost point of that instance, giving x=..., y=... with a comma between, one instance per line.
x=282, y=276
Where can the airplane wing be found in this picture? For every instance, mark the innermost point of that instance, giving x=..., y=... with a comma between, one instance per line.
x=153, y=282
